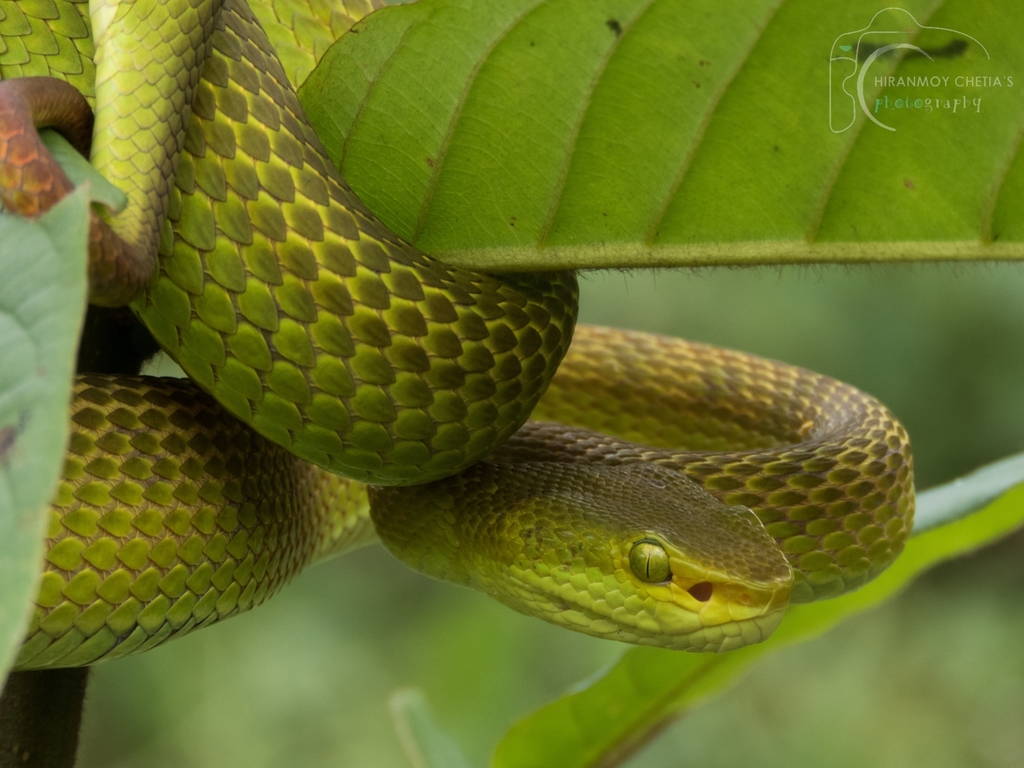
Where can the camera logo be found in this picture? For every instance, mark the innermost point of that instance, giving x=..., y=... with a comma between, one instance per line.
x=853, y=53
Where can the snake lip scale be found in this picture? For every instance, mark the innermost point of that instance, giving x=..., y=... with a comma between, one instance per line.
x=345, y=387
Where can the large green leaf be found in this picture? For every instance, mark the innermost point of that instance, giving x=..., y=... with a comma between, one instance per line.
x=611, y=716
x=42, y=303
x=547, y=133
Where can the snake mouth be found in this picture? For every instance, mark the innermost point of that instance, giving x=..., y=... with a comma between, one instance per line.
x=696, y=610
x=666, y=624
x=702, y=610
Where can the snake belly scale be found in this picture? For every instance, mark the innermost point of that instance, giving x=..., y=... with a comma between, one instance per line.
x=723, y=487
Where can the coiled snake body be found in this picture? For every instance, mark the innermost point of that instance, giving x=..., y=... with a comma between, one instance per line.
x=723, y=485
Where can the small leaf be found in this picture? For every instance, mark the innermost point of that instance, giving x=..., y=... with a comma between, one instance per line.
x=612, y=716
x=42, y=303
x=426, y=745
x=543, y=134
x=80, y=171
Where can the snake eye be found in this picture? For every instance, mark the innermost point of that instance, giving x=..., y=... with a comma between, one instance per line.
x=649, y=561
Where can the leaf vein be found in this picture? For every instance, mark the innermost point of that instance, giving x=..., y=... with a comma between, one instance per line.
x=585, y=104
x=830, y=183
x=442, y=152
x=988, y=207
x=368, y=96
x=659, y=217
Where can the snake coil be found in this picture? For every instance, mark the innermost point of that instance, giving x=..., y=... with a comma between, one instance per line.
x=319, y=344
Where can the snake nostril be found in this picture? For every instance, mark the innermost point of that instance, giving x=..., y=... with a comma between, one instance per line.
x=701, y=591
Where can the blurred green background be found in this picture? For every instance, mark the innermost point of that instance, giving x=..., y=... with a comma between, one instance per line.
x=934, y=678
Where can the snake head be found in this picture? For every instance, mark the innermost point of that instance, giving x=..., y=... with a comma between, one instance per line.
x=688, y=604
x=658, y=561
x=635, y=552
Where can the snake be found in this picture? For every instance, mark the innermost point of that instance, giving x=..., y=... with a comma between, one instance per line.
x=344, y=387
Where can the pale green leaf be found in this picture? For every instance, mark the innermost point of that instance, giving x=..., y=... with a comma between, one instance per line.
x=425, y=744
x=533, y=134
x=607, y=719
x=80, y=171
x=42, y=303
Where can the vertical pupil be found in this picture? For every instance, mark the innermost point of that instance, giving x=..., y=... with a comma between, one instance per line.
x=649, y=562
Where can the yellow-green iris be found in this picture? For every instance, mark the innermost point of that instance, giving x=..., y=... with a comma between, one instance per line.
x=649, y=561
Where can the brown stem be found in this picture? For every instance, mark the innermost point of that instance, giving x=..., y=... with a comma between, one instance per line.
x=40, y=714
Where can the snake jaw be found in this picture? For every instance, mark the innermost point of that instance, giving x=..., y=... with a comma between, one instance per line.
x=660, y=615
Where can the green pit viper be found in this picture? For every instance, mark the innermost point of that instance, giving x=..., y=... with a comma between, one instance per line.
x=667, y=493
